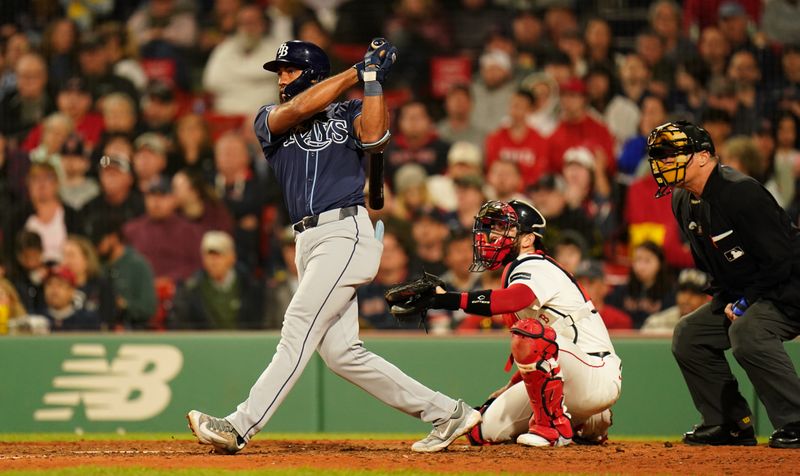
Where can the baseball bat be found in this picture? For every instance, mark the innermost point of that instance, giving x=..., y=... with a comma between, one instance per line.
x=376, y=180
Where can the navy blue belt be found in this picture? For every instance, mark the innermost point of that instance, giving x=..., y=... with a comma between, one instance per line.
x=325, y=217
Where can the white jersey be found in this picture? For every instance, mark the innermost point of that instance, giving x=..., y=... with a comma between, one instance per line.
x=560, y=302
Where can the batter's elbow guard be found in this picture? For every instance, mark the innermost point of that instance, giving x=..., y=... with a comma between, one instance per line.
x=376, y=146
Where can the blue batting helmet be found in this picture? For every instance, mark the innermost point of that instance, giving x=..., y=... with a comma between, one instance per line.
x=305, y=56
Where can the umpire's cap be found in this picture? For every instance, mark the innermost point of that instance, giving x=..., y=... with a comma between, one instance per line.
x=303, y=55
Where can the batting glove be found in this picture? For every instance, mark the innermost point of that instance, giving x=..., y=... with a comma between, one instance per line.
x=378, y=60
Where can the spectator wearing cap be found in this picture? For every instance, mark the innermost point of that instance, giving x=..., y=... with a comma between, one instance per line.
x=588, y=189
x=458, y=125
x=169, y=242
x=44, y=213
x=505, y=181
x=233, y=73
x=591, y=277
x=548, y=196
x=55, y=130
x=415, y=142
x=149, y=159
x=95, y=68
x=518, y=142
x=118, y=196
x=93, y=291
x=62, y=303
x=779, y=22
x=578, y=127
x=463, y=158
x=159, y=109
x=692, y=291
x=77, y=188
x=198, y=202
x=283, y=283
x=649, y=288
x=242, y=193
x=130, y=274
x=492, y=89
x=734, y=23
x=74, y=101
x=218, y=296
x=30, y=102
x=700, y=14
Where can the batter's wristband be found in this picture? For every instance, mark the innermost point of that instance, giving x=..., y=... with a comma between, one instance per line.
x=373, y=88
x=447, y=301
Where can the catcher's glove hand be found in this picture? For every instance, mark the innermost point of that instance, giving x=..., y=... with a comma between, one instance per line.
x=413, y=298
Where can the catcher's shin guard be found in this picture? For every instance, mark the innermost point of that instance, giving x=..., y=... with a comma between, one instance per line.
x=535, y=351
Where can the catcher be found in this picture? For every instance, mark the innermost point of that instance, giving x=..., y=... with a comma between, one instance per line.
x=568, y=375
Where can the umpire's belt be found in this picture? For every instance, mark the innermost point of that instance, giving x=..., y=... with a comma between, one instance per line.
x=325, y=217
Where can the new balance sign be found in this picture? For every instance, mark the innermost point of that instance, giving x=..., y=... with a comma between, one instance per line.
x=131, y=386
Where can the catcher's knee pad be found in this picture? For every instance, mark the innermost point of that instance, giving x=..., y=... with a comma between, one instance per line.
x=532, y=345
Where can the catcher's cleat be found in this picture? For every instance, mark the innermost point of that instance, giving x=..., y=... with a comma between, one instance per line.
x=462, y=421
x=720, y=435
x=532, y=439
x=217, y=432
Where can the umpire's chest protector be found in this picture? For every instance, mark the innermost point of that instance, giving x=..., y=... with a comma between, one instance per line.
x=741, y=237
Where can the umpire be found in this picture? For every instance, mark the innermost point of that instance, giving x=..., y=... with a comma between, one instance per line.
x=740, y=236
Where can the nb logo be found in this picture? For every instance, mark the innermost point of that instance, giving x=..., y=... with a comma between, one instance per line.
x=133, y=386
x=283, y=50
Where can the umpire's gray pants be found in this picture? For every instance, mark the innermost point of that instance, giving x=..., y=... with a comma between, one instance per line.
x=756, y=339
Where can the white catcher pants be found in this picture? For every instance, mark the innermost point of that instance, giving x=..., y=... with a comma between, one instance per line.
x=333, y=259
x=591, y=386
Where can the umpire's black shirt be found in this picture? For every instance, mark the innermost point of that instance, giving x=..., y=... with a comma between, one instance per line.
x=741, y=237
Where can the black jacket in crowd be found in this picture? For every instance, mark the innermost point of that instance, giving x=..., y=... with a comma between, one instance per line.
x=745, y=240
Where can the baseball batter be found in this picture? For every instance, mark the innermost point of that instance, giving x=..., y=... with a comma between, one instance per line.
x=568, y=374
x=317, y=149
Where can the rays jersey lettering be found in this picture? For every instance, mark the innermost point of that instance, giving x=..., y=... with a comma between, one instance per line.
x=319, y=136
x=318, y=164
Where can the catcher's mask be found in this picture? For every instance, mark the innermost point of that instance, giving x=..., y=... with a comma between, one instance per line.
x=496, y=231
x=670, y=148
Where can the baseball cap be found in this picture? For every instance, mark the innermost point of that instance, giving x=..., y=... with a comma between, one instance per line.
x=217, y=242
x=160, y=91
x=152, y=141
x=73, y=146
x=730, y=9
x=409, y=176
x=694, y=280
x=74, y=84
x=462, y=152
x=573, y=85
x=61, y=272
x=160, y=186
x=497, y=58
x=579, y=155
x=117, y=162
x=590, y=269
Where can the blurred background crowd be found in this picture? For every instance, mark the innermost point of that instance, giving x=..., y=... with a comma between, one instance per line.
x=549, y=100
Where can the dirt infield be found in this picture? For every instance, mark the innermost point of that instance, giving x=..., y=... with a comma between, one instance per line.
x=615, y=457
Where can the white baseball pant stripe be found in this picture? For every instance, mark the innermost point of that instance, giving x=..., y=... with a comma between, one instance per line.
x=333, y=259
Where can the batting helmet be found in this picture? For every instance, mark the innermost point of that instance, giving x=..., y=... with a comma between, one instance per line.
x=305, y=56
x=670, y=147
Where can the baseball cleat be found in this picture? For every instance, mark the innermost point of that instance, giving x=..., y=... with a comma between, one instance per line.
x=530, y=439
x=462, y=421
x=217, y=432
x=721, y=435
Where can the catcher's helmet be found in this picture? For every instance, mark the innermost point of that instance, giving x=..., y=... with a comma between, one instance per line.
x=305, y=56
x=670, y=147
x=493, y=241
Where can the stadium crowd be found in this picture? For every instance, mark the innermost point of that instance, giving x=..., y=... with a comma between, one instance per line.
x=183, y=225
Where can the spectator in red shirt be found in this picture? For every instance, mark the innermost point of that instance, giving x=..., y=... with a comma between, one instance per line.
x=577, y=127
x=519, y=143
x=170, y=243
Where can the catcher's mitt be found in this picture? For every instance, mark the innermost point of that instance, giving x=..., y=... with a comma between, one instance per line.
x=413, y=298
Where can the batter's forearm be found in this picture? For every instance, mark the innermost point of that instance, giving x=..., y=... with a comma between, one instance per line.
x=311, y=101
x=374, y=118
